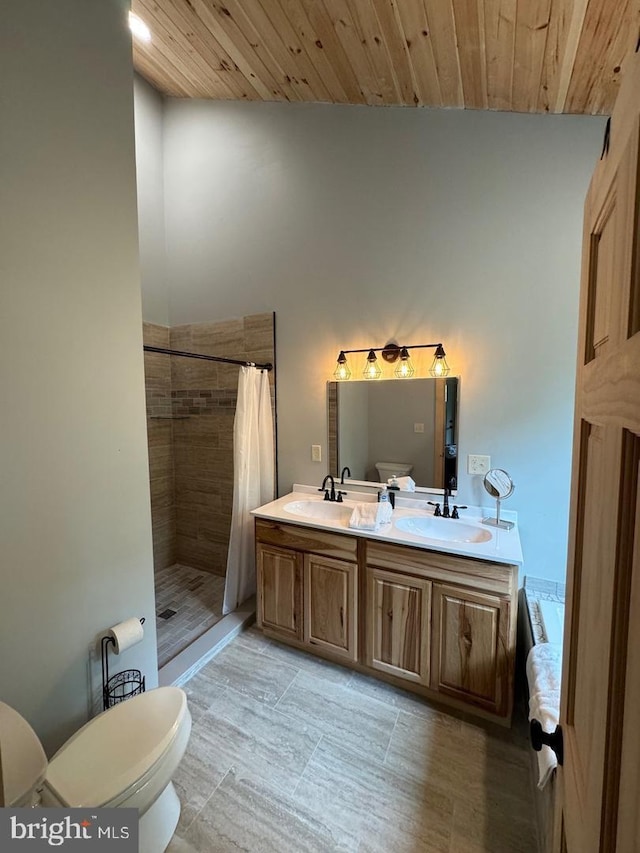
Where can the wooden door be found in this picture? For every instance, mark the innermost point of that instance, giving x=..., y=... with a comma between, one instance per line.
x=470, y=642
x=599, y=783
x=398, y=624
x=279, y=584
x=330, y=605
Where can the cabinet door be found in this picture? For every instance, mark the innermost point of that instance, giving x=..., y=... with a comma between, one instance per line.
x=279, y=583
x=398, y=616
x=331, y=615
x=470, y=657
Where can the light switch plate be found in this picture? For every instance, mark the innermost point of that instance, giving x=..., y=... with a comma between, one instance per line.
x=316, y=453
x=478, y=464
x=418, y=427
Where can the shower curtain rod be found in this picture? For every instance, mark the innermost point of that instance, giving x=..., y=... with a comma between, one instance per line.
x=267, y=366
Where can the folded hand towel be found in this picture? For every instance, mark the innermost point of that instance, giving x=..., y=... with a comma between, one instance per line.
x=369, y=516
x=544, y=666
x=405, y=484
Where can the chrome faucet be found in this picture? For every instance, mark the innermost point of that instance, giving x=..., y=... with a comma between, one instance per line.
x=331, y=495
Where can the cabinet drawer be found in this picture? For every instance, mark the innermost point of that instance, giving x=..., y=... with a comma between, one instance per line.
x=495, y=578
x=307, y=539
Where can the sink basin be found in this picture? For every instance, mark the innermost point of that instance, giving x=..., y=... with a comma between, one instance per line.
x=320, y=509
x=442, y=529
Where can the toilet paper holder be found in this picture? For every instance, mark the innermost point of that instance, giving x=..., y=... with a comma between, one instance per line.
x=123, y=685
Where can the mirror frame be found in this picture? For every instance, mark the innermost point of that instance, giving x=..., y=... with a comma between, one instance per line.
x=332, y=436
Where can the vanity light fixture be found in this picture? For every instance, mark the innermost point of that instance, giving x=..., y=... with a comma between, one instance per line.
x=405, y=369
x=439, y=367
x=392, y=353
x=372, y=369
x=342, y=368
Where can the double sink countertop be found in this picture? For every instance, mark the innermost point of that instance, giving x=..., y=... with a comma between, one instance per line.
x=413, y=523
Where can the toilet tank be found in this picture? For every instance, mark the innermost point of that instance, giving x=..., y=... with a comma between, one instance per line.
x=24, y=763
x=386, y=470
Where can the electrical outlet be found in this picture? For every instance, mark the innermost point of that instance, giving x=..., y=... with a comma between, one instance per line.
x=316, y=453
x=478, y=464
x=418, y=427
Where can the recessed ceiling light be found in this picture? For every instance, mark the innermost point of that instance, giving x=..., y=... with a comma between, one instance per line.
x=139, y=29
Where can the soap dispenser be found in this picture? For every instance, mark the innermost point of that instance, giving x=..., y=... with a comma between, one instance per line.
x=387, y=496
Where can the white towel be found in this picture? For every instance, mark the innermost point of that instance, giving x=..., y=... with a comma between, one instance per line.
x=369, y=516
x=544, y=669
x=405, y=484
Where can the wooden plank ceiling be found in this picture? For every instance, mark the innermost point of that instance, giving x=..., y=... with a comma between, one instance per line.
x=559, y=56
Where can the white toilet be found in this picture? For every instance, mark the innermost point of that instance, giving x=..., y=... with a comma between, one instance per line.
x=124, y=757
x=386, y=470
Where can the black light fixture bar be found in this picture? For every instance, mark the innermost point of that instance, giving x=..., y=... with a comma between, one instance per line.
x=395, y=347
x=391, y=352
x=218, y=358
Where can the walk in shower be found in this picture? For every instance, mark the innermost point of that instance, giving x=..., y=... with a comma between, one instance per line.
x=191, y=405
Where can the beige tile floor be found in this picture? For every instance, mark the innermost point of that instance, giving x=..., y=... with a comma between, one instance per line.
x=196, y=596
x=290, y=754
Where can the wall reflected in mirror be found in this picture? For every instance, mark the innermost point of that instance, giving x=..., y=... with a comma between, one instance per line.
x=406, y=421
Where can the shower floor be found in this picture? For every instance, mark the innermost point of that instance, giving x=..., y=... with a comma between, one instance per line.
x=188, y=603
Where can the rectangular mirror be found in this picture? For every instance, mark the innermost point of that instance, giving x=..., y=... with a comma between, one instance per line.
x=409, y=422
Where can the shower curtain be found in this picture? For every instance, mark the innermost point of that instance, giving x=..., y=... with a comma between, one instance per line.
x=253, y=481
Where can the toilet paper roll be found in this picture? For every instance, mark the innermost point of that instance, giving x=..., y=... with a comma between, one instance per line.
x=126, y=634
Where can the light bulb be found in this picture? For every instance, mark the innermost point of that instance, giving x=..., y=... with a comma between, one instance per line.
x=372, y=368
x=342, y=371
x=405, y=369
x=439, y=367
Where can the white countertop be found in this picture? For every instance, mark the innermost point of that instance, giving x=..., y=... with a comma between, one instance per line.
x=502, y=547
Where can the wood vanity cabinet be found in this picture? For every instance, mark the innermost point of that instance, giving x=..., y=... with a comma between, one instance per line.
x=330, y=605
x=311, y=572
x=398, y=629
x=470, y=647
x=279, y=573
x=466, y=644
x=440, y=625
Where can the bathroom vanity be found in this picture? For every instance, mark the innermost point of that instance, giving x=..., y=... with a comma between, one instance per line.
x=430, y=613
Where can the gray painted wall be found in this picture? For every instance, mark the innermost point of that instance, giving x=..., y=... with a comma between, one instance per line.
x=74, y=493
x=150, y=180
x=358, y=225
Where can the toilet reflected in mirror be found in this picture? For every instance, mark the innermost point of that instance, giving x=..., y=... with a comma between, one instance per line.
x=387, y=470
x=500, y=486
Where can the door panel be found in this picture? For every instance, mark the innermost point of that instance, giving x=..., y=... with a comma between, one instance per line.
x=588, y=672
x=330, y=605
x=600, y=281
x=280, y=590
x=622, y=821
x=469, y=646
x=599, y=783
x=398, y=615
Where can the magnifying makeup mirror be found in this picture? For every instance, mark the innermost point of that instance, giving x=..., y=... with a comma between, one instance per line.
x=500, y=486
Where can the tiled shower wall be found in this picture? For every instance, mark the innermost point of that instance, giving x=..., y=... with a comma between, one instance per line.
x=203, y=399
x=157, y=374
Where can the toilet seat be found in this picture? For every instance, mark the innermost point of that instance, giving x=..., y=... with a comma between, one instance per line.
x=118, y=754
